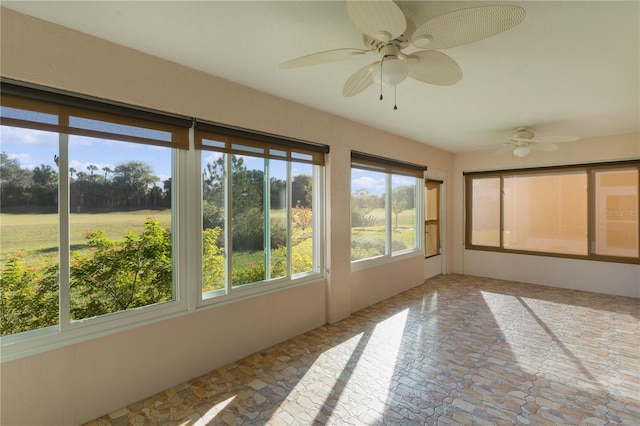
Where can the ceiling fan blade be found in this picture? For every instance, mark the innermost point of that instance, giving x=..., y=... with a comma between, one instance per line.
x=542, y=146
x=359, y=80
x=466, y=26
x=324, y=57
x=506, y=148
x=381, y=20
x=554, y=138
x=433, y=67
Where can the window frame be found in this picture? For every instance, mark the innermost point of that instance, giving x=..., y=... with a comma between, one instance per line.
x=588, y=169
x=186, y=221
x=68, y=331
x=390, y=167
x=231, y=141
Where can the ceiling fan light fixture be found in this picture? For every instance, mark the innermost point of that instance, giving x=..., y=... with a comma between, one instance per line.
x=392, y=71
x=521, y=151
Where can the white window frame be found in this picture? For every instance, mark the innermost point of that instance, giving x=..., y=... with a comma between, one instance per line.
x=390, y=256
x=229, y=293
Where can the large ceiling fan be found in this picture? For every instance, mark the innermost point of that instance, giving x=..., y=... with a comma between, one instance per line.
x=387, y=32
x=523, y=141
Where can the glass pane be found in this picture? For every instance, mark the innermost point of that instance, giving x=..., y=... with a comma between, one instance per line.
x=28, y=230
x=485, y=212
x=616, y=198
x=120, y=226
x=368, y=216
x=28, y=115
x=546, y=213
x=248, y=258
x=301, y=218
x=432, y=221
x=119, y=129
x=403, y=208
x=278, y=218
x=213, y=221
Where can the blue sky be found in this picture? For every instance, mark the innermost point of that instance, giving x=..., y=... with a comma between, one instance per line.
x=34, y=147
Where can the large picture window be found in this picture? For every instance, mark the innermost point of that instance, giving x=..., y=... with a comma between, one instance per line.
x=97, y=214
x=586, y=211
x=385, y=196
x=87, y=223
x=261, y=217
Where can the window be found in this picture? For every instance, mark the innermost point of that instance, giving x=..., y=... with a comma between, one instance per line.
x=87, y=219
x=261, y=217
x=581, y=211
x=546, y=212
x=384, y=196
x=95, y=201
x=432, y=218
x=616, y=211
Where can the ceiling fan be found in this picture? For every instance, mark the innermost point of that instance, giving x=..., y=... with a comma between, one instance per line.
x=523, y=141
x=387, y=32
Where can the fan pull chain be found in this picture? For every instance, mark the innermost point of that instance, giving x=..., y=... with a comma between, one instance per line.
x=395, y=98
x=381, y=78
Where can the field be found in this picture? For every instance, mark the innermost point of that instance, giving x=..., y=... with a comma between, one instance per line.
x=35, y=235
x=405, y=231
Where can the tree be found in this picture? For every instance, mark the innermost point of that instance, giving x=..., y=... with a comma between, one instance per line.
x=302, y=216
x=45, y=185
x=362, y=204
x=132, y=181
x=212, y=260
x=15, y=182
x=28, y=297
x=106, y=171
x=398, y=206
x=122, y=275
x=92, y=168
x=301, y=190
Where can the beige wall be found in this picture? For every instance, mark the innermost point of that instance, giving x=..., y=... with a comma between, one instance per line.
x=600, y=277
x=80, y=382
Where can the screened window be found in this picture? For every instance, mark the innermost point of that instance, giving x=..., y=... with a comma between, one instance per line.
x=384, y=196
x=86, y=209
x=260, y=212
x=586, y=211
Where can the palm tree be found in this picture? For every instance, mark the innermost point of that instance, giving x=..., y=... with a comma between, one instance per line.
x=92, y=168
x=106, y=170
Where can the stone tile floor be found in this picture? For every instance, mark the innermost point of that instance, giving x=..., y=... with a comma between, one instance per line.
x=455, y=350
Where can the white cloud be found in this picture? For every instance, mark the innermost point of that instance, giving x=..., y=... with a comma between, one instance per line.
x=20, y=136
x=213, y=156
x=402, y=180
x=374, y=186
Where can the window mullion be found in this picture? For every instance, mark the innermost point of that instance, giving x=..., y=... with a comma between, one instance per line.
x=501, y=212
x=228, y=227
x=266, y=206
x=64, y=273
x=288, y=198
x=388, y=215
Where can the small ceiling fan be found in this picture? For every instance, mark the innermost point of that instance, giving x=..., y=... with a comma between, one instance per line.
x=387, y=32
x=523, y=141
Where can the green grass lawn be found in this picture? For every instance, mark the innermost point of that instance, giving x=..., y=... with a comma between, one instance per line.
x=35, y=235
x=405, y=231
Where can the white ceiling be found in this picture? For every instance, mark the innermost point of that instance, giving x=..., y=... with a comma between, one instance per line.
x=571, y=68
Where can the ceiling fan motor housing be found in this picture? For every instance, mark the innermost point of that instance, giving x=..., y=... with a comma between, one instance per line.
x=522, y=133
